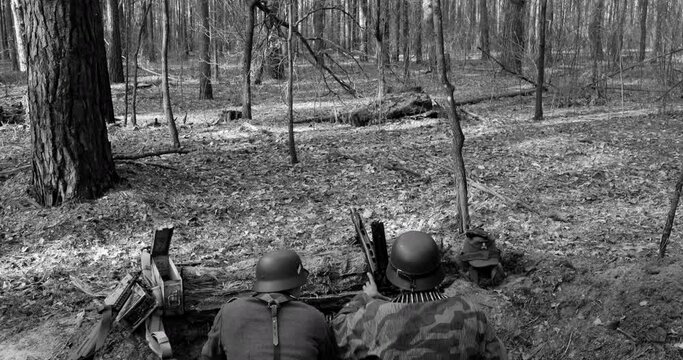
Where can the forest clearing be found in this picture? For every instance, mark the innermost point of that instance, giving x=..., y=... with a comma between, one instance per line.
x=577, y=200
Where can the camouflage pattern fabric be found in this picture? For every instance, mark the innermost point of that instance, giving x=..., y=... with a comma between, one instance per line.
x=451, y=328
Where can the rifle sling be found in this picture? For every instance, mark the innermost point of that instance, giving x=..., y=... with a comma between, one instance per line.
x=274, y=302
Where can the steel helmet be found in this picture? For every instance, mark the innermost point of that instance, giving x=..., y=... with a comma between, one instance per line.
x=278, y=271
x=415, y=262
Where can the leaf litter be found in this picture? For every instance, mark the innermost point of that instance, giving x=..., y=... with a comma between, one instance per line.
x=598, y=180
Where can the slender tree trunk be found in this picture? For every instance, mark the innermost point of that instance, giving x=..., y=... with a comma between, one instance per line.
x=458, y=136
x=205, y=89
x=246, y=60
x=19, y=32
x=150, y=44
x=428, y=26
x=396, y=12
x=418, y=33
x=136, y=56
x=541, y=61
x=363, y=21
x=658, y=46
x=126, y=30
x=69, y=101
x=166, y=96
x=406, y=38
x=671, y=216
x=379, y=48
x=550, y=34
x=113, y=36
x=11, y=40
x=318, y=27
x=643, y=29
x=3, y=30
x=484, y=29
x=290, y=85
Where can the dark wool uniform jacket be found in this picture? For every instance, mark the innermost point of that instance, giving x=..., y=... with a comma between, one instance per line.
x=243, y=330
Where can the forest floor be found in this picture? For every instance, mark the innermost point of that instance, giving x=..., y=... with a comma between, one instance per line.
x=584, y=196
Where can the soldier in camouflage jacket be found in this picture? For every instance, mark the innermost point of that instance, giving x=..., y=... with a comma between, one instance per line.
x=421, y=323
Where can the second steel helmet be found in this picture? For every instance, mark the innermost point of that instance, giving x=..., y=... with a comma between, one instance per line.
x=278, y=271
x=415, y=262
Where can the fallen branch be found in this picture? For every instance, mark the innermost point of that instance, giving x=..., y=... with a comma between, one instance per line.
x=9, y=172
x=148, y=164
x=477, y=100
x=150, y=154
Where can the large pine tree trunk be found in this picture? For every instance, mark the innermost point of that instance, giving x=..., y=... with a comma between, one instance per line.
x=69, y=101
x=19, y=32
x=113, y=35
x=166, y=96
x=513, y=35
x=458, y=136
x=205, y=89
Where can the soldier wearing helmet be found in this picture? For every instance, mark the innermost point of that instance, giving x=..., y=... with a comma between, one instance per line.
x=272, y=324
x=421, y=322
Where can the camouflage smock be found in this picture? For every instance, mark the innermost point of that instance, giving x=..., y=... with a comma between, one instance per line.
x=451, y=328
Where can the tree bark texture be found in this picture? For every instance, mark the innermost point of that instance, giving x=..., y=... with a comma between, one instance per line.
x=454, y=117
x=363, y=21
x=166, y=96
x=428, y=28
x=513, y=35
x=318, y=27
x=69, y=101
x=11, y=39
x=246, y=60
x=113, y=35
x=205, y=88
x=379, y=48
x=19, y=32
x=290, y=85
x=538, y=115
x=484, y=30
x=405, y=14
x=418, y=33
x=595, y=30
x=670, y=218
x=643, y=30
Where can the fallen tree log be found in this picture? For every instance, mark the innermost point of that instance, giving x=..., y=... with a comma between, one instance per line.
x=479, y=99
x=393, y=106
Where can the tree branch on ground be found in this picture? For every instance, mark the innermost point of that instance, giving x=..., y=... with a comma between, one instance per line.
x=150, y=154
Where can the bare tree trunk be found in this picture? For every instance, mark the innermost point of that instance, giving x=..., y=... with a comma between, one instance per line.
x=318, y=27
x=205, y=89
x=150, y=44
x=128, y=6
x=595, y=30
x=406, y=38
x=428, y=25
x=513, y=34
x=541, y=61
x=246, y=60
x=363, y=21
x=484, y=30
x=166, y=96
x=290, y=85
x=671, y=216
x=20, y=33
x=643, y=29
x=458, y=136
x=69, y=101
x=661, y=8
x=550, y=34
x=418, y=33
x=379, y=48
x=136, y=56
x=11, y=40
x=113, y=36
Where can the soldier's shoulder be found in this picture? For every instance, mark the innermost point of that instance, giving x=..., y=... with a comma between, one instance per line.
x=462, y=303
